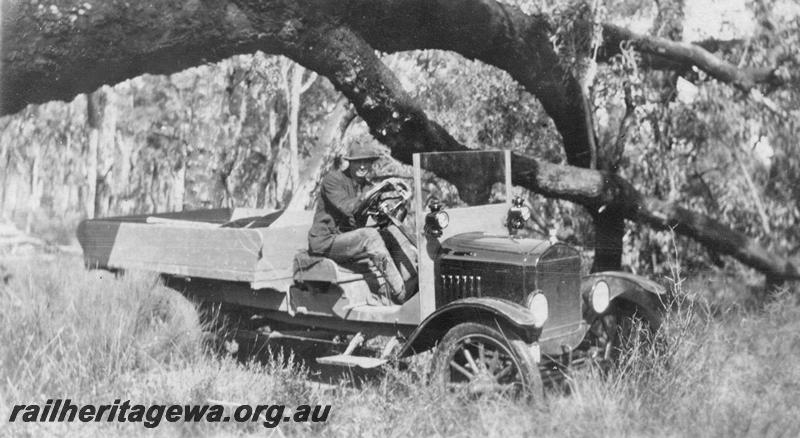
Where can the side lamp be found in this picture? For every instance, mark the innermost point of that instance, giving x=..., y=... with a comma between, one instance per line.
x=436, y=220
x=518, y=214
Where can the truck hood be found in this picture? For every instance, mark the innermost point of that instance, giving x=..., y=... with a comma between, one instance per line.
x=479, y=245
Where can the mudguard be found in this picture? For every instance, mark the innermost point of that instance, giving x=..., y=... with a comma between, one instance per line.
x=648, y=296
x=488, y=310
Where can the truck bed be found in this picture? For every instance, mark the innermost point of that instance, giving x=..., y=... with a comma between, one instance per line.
x=243, y=245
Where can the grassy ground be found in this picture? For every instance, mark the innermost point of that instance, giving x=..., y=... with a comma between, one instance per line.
x=67, y=333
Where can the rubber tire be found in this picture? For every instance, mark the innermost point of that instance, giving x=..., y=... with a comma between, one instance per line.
x=627, y=316
x=517, y=349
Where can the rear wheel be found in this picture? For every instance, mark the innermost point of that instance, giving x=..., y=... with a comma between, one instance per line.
x=478, y=359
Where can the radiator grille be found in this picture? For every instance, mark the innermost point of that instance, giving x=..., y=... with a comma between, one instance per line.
x=461, y=286
x=462, y=279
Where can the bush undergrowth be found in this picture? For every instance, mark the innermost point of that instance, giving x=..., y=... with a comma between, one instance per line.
x=69, y=333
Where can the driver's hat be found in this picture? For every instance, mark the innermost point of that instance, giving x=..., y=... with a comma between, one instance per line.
x=362, y=152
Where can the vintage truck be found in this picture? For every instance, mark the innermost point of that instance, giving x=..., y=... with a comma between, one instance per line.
x=500, y=311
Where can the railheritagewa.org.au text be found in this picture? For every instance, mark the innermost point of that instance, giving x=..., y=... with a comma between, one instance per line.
x=151, y=415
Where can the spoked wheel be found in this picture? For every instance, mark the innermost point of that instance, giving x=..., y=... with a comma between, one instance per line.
x=620, y=330
x=477, y=359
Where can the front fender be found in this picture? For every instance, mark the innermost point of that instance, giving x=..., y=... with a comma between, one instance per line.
x=648, y=296
x=490, y=311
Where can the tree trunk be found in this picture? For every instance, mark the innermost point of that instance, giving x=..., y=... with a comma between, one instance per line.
x=295, y=82
x=609, y=229
x=294, y=87
x=35, y=190
x=320, y=159
x=104, y=121
x=4, y=164
x=94, y=109
x=278, y=127
x=609, y=224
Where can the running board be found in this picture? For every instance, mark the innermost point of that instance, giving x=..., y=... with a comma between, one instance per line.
x=346, y=360
x=301, y=336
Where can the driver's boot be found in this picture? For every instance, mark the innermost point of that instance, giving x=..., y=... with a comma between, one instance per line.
x=393, y=279
x=376, y=250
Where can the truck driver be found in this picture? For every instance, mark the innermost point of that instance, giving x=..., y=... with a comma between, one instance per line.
x=335, y=233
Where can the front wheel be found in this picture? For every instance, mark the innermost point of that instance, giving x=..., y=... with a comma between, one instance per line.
x=622, y=330
x=479, y=359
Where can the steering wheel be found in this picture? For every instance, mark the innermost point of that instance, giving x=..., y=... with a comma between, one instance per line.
x=381, y=208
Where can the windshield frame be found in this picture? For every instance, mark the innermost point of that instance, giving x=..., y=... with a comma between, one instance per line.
x=420, y=206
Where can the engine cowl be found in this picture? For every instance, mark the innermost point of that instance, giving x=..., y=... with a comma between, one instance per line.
x=478, y=264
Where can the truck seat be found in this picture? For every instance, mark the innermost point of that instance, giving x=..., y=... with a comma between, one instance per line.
x=310, y=268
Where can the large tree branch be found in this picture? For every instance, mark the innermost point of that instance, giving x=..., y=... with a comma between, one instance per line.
x=115, y=41
x=494, y=33
x=118, y=40
x=603, y=190
x=715, y=236
x=57, y=51
x=662, y=53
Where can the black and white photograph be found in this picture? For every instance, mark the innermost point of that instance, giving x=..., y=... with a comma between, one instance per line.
x=400, y=218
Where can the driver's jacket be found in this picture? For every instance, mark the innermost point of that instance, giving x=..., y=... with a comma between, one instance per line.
x=339, y=197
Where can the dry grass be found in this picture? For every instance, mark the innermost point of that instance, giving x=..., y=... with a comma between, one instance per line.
x=65, y=333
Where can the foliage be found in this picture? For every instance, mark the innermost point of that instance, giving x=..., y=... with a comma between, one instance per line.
x=199, y=138
x=709, y=147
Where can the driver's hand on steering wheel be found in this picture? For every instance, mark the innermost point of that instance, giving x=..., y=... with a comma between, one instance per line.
x=397, y=183
x=378, y=187
x=383, y=208
x=393, y=194
x=394, y=181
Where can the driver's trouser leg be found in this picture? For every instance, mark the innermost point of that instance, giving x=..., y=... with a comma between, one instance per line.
x=367, y=242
